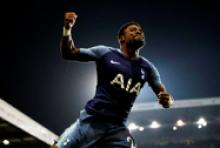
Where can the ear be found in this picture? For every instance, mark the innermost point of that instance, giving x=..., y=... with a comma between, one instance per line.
x=121, y=39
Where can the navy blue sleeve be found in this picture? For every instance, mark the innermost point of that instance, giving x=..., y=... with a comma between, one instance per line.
x=92, y=53
x=153, y=75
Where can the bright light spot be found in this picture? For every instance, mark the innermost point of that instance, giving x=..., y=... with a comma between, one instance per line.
x=6, y=142
x=199, y=126
x=180, y=123
x=141, y=128
x=154, y=124
x=201, y=122
x=132, y=126
x=174, y=128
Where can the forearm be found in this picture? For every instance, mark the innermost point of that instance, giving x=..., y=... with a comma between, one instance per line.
x=68, y=49
x=158, y=89
x=165, y=99
x=67, y=46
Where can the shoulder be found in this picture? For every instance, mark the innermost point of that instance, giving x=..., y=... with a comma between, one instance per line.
x=146, y=63
x=102, y=48
x=106, y=49
x=97, y=50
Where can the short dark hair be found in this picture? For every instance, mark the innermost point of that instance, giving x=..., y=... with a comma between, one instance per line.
x=124, y=26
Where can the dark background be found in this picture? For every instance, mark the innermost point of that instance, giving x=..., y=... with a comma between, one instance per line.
x=182, y=41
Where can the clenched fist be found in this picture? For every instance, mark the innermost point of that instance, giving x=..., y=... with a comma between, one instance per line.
x=166, y=100
x=69, y=19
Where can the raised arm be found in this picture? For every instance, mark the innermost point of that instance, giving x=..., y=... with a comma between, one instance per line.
x=67, y=46
x=68, y=49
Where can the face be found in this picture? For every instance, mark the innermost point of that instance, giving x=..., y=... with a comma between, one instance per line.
x=133, y=37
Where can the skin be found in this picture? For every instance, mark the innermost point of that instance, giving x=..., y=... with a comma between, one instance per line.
x=132, y=34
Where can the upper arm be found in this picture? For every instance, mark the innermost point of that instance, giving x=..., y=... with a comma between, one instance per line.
x=93, y=53
x=89, y=54
x=153, y=76
x=154, y=80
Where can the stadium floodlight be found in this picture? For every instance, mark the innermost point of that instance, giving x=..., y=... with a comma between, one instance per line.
x=6, y=142
x=201, y=122
x=154, y=124
x=180, y=123
x=141, y=128
x=174, y=128
x=132, y=126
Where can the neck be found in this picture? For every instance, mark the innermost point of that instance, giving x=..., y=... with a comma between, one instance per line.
x=129, y=53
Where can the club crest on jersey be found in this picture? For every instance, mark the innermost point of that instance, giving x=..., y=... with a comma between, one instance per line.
x=119, y=80
x=142, y=74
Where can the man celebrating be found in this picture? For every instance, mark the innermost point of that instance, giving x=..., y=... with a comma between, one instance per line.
x=121, y=75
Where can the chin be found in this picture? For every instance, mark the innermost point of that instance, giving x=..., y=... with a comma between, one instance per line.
x=135, y=44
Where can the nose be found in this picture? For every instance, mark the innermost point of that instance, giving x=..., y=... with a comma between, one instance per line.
x=139, y=32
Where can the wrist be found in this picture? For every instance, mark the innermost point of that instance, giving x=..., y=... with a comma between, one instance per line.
x=161, y=93
x=66, y=32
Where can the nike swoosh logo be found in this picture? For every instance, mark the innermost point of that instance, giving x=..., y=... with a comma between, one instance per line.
x=114, y=62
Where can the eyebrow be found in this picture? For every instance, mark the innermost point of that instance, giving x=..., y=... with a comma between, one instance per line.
x=136, y=27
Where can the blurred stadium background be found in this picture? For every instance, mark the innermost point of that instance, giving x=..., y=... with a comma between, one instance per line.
x=17, y=130
x=191, y=123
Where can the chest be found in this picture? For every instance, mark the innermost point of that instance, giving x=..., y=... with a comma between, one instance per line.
x=114, y=65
